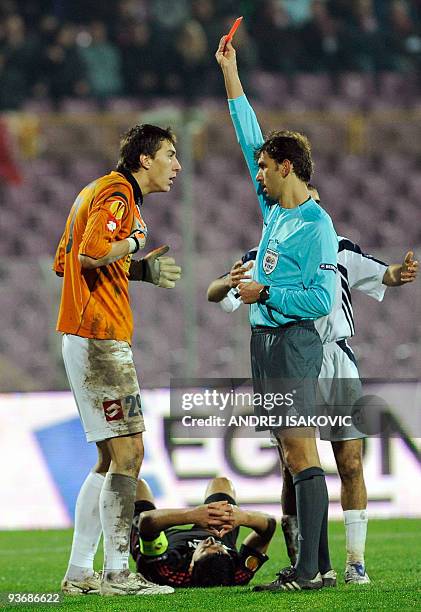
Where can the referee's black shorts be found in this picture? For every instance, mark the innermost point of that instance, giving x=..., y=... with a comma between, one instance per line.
x=286, y=360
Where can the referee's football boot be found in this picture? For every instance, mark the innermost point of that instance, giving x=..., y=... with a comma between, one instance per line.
x=86, y=586
x=288, y=580
x=355, y=574
x=128, y=583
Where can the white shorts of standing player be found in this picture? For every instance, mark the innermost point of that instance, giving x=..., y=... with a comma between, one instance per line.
x=339, y=387
x=103, y=379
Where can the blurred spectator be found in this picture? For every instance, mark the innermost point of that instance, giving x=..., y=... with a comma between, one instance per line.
x=169, y=14
x=16, y=58
x=189, y=62
x=204, y=12
x=136, y=9
x=84, y=11
x=102, y=61
x=138, y=47
x=48, y=27
x=298, y=10
x=129, y=13
x=404, y=37
x=142, y=61
x=62, y=69
x=368, y=43
x=326, y=42
x=275, y=37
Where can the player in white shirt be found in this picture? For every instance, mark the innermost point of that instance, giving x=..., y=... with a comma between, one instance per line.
x=339, y=384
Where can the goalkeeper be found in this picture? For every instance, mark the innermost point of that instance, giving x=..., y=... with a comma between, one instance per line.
x=103, y=231
x=206, y=554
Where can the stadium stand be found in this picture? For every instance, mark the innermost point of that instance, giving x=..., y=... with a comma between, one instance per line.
x=363, y=123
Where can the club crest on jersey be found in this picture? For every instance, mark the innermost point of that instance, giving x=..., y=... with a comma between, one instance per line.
x=270, y=261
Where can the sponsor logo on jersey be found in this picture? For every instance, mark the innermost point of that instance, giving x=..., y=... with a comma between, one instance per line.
x=111, y=225
x=331, y=267
x=270, y=261
x=113, y=410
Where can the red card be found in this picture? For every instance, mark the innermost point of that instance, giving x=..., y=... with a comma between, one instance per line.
x=233, y=30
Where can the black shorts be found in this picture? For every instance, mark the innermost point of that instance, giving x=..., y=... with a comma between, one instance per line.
x=286, y=360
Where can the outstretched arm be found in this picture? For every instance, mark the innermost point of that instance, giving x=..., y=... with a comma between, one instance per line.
x=400, y=274
x=219, y=288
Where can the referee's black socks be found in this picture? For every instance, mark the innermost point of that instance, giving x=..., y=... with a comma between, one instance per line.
x=312, y=512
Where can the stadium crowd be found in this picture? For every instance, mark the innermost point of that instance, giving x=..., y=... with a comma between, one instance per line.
x=53, y=49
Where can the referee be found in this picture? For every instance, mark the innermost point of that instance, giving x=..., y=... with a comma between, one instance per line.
x=293, y=284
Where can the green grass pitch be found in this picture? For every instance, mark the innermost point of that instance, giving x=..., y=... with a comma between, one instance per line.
x=35, y=562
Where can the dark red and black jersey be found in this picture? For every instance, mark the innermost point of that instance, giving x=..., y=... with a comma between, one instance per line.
x=172, y=567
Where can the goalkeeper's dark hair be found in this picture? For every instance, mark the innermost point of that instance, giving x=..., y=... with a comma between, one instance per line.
x=140, y=140
x=294, y=146
x=215, y=569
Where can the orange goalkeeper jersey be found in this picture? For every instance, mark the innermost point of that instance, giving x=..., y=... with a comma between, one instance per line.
x=95, y=303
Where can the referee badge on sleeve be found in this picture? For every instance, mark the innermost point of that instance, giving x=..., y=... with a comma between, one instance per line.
x=270, y=261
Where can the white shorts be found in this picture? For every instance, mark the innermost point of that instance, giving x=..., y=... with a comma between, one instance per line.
x=339, y=388
x=103, y=379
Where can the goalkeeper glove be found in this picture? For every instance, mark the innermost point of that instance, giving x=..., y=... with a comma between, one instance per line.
x=159, y=270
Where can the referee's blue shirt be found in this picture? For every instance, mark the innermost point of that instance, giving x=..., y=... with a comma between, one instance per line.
x=297, y=254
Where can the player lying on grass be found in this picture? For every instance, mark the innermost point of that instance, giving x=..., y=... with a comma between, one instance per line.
x=206, y=554
x=339, y=382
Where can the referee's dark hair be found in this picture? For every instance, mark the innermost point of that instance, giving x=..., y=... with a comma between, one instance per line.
x=215, y=569
x=140, y=140
x=284, y=144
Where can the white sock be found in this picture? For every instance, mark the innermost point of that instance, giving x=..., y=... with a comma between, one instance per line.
x=356, y=533
x=87, y=530
x=116, y=507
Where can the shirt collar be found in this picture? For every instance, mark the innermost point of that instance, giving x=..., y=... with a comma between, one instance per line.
x=137, y=192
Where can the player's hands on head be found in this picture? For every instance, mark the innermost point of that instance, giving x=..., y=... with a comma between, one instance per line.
x=227, y=58
x=237, y=518
x=160, y=269
x=238, y=273
x=409, y=268
x=212, y=516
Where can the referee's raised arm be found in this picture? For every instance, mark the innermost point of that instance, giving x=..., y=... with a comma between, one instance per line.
x=228, y=62
x=246, y=125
